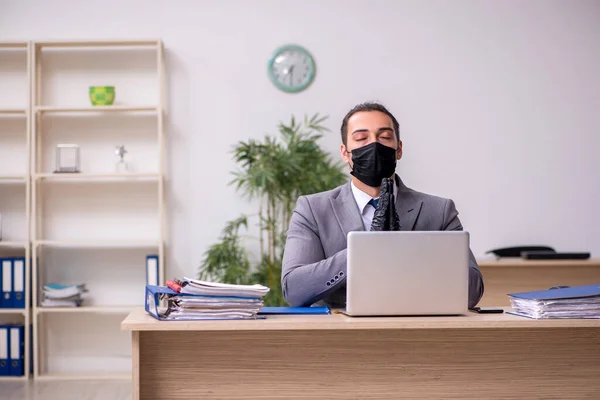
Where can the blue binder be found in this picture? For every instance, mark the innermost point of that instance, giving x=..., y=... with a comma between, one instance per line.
x=294, y=311
x=563, y=293
x=18, y=275
x=154, y=295
x=4, y=347
x=17, y=351
x=7, y=281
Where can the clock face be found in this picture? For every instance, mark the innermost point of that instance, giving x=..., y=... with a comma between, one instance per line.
x=291, y=68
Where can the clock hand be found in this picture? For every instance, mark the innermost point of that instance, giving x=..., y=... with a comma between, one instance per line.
x=292, y=75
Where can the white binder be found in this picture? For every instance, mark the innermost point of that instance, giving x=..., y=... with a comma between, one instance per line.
x=6, y=301
x=152, y=270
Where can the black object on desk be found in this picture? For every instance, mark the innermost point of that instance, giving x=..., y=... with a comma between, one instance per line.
x=548, y=255
x=487, y=310
x=517, y=250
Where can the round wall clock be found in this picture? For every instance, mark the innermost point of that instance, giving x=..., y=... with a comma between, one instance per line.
x=292, y=68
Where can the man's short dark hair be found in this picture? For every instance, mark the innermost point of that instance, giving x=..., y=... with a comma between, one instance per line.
x=367, y=107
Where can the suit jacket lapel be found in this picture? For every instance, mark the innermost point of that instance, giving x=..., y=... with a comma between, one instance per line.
x=407, y=206
x=346, y=211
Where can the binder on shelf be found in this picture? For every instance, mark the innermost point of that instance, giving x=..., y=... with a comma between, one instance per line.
x=3, y=350
x=17, y=351
x=152, y=270
x=6, y=300
x=18, y=273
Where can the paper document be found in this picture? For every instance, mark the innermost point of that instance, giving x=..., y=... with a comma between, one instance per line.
x=193, y=286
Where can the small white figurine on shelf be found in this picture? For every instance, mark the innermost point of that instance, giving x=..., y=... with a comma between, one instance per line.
x=121, y=164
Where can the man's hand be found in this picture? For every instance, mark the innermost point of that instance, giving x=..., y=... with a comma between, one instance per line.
x=386, y=217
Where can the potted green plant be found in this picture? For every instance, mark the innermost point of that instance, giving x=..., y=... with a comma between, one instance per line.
x=274, y=171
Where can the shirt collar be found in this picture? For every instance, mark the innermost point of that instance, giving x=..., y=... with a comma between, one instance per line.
x=362, y=199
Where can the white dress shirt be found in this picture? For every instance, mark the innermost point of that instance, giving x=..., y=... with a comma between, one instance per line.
x=367, y=211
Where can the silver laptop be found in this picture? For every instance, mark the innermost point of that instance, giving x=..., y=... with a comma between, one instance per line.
x=407, y=273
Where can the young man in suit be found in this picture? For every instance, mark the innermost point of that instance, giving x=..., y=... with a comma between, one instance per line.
x=314, y=259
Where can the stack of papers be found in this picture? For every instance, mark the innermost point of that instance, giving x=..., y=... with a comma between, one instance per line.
x=570, y=302
x=57, y=295
x=201, y=300
x=193, y=286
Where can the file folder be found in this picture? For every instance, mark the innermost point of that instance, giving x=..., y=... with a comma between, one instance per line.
x=18, y=273
x=152, y=270
x=294, y=311
x=17, y=347
x=566, y=302
x=157, y=294
x=562, y=293
x=6, y=300
x=4, y=350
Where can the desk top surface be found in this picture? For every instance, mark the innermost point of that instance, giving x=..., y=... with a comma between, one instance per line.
x=139, y=320
x=519, y=262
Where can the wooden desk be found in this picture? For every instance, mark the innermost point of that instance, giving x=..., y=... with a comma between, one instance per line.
x=516, y=275
x=493, y=356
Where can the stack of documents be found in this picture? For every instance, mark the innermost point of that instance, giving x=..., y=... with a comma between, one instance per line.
x=200, y=300
x=568, y=302
x=57, y=295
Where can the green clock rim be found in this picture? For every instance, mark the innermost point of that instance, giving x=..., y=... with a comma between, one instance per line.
x=292, y=89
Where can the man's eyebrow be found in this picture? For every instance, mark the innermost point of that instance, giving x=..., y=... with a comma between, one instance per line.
x=383, y=129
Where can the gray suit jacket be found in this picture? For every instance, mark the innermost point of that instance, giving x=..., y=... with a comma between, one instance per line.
x=315, y=250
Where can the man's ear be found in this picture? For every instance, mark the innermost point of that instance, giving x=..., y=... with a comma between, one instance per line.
x=345, y=154
x=399, y=151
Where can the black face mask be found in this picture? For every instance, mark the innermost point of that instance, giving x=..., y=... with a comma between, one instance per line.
x=372, y=163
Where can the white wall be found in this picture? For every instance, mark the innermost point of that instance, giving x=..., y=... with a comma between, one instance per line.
x=499, y=101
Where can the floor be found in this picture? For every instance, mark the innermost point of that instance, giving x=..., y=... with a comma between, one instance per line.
x=66, y=390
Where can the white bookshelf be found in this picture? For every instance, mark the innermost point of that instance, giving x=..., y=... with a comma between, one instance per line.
x=96, y=226
x=15, y=182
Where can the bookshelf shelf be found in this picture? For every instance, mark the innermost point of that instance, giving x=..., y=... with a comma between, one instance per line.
x=18, y=311
x=14, y=245
x=97, y=244
x=96, y=109
x=84, y=377
x=6, y=179
x=14, y=45
x=13, y=112
x=99, y=178
x=88, y=309
x=125, y=43
x=13, y=378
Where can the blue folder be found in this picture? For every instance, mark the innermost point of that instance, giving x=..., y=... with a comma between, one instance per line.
x=4, y=349
x=16, y=350
x=154, y=296
x=6, y=287
x=294, y=311
x=18, y=276
x=562, y=293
